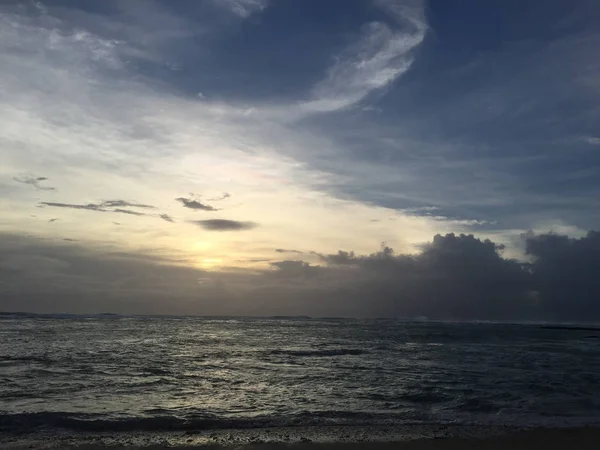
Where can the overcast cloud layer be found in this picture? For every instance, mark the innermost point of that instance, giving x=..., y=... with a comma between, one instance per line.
x=213, y=157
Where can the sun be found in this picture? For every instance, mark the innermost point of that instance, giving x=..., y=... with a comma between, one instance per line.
x=211, y=263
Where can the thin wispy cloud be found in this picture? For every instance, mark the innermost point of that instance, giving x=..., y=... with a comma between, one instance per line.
x=123, y=203
x=88, y=207
x=167, y=218
x=129, y=212
x=381, y=55
x=106, y=206
x=195, y=204
x=224, y=196
x=224, y=225
x=243, y=8
x=35, y=182
x=592, y=140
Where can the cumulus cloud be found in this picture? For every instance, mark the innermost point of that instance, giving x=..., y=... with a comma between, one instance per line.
x=566, y=274
x=195, y=204
x=295, y=271
x=224, y=225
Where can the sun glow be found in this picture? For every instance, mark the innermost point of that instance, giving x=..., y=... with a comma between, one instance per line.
x=209, y=263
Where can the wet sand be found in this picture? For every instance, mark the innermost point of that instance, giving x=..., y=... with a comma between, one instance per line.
x=546, y=439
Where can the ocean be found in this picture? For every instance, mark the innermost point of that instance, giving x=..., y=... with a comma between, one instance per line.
x=100, y=374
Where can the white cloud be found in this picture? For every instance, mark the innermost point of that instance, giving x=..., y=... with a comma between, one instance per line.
x=381, y=55
x=74, y=111
x=592, y=140
x=243, y=8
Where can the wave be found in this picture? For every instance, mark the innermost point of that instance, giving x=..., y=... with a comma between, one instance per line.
x=319, y=353
x=8, y=359
x=33, y=423
x=22, y=423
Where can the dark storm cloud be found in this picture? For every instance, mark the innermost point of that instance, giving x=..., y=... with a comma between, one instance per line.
x=224, y=225
x=35, y=182
x=194, y=204
x=290, y=265
x=454, y=277
x=295, y=271
x=340, y=258
x=70, y=276
x=566, y=274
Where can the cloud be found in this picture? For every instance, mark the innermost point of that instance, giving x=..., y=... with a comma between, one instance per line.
x=474, y=126
x=89, y=206
x=53, y=220
x=299, y=271
x=101, y=207
x=123, y=203
x=285, y=250
x=225, y=196
x=224, y=225
x=35, y=182
x=382, y=54
x=454, y=277
x=71, y=276
x=592, y=140
x=128, y=211
x=566, y=275
x=167, y=218
x=243, y=8
x=194, y=204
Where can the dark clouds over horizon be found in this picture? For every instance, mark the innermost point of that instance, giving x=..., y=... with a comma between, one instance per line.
x=455, y=277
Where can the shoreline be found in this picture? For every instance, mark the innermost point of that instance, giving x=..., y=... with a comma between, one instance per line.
x=420, y=437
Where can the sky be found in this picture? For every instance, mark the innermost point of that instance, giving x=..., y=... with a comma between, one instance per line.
x=342, y=157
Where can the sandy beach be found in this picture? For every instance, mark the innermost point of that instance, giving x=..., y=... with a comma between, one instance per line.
x=582, y=438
